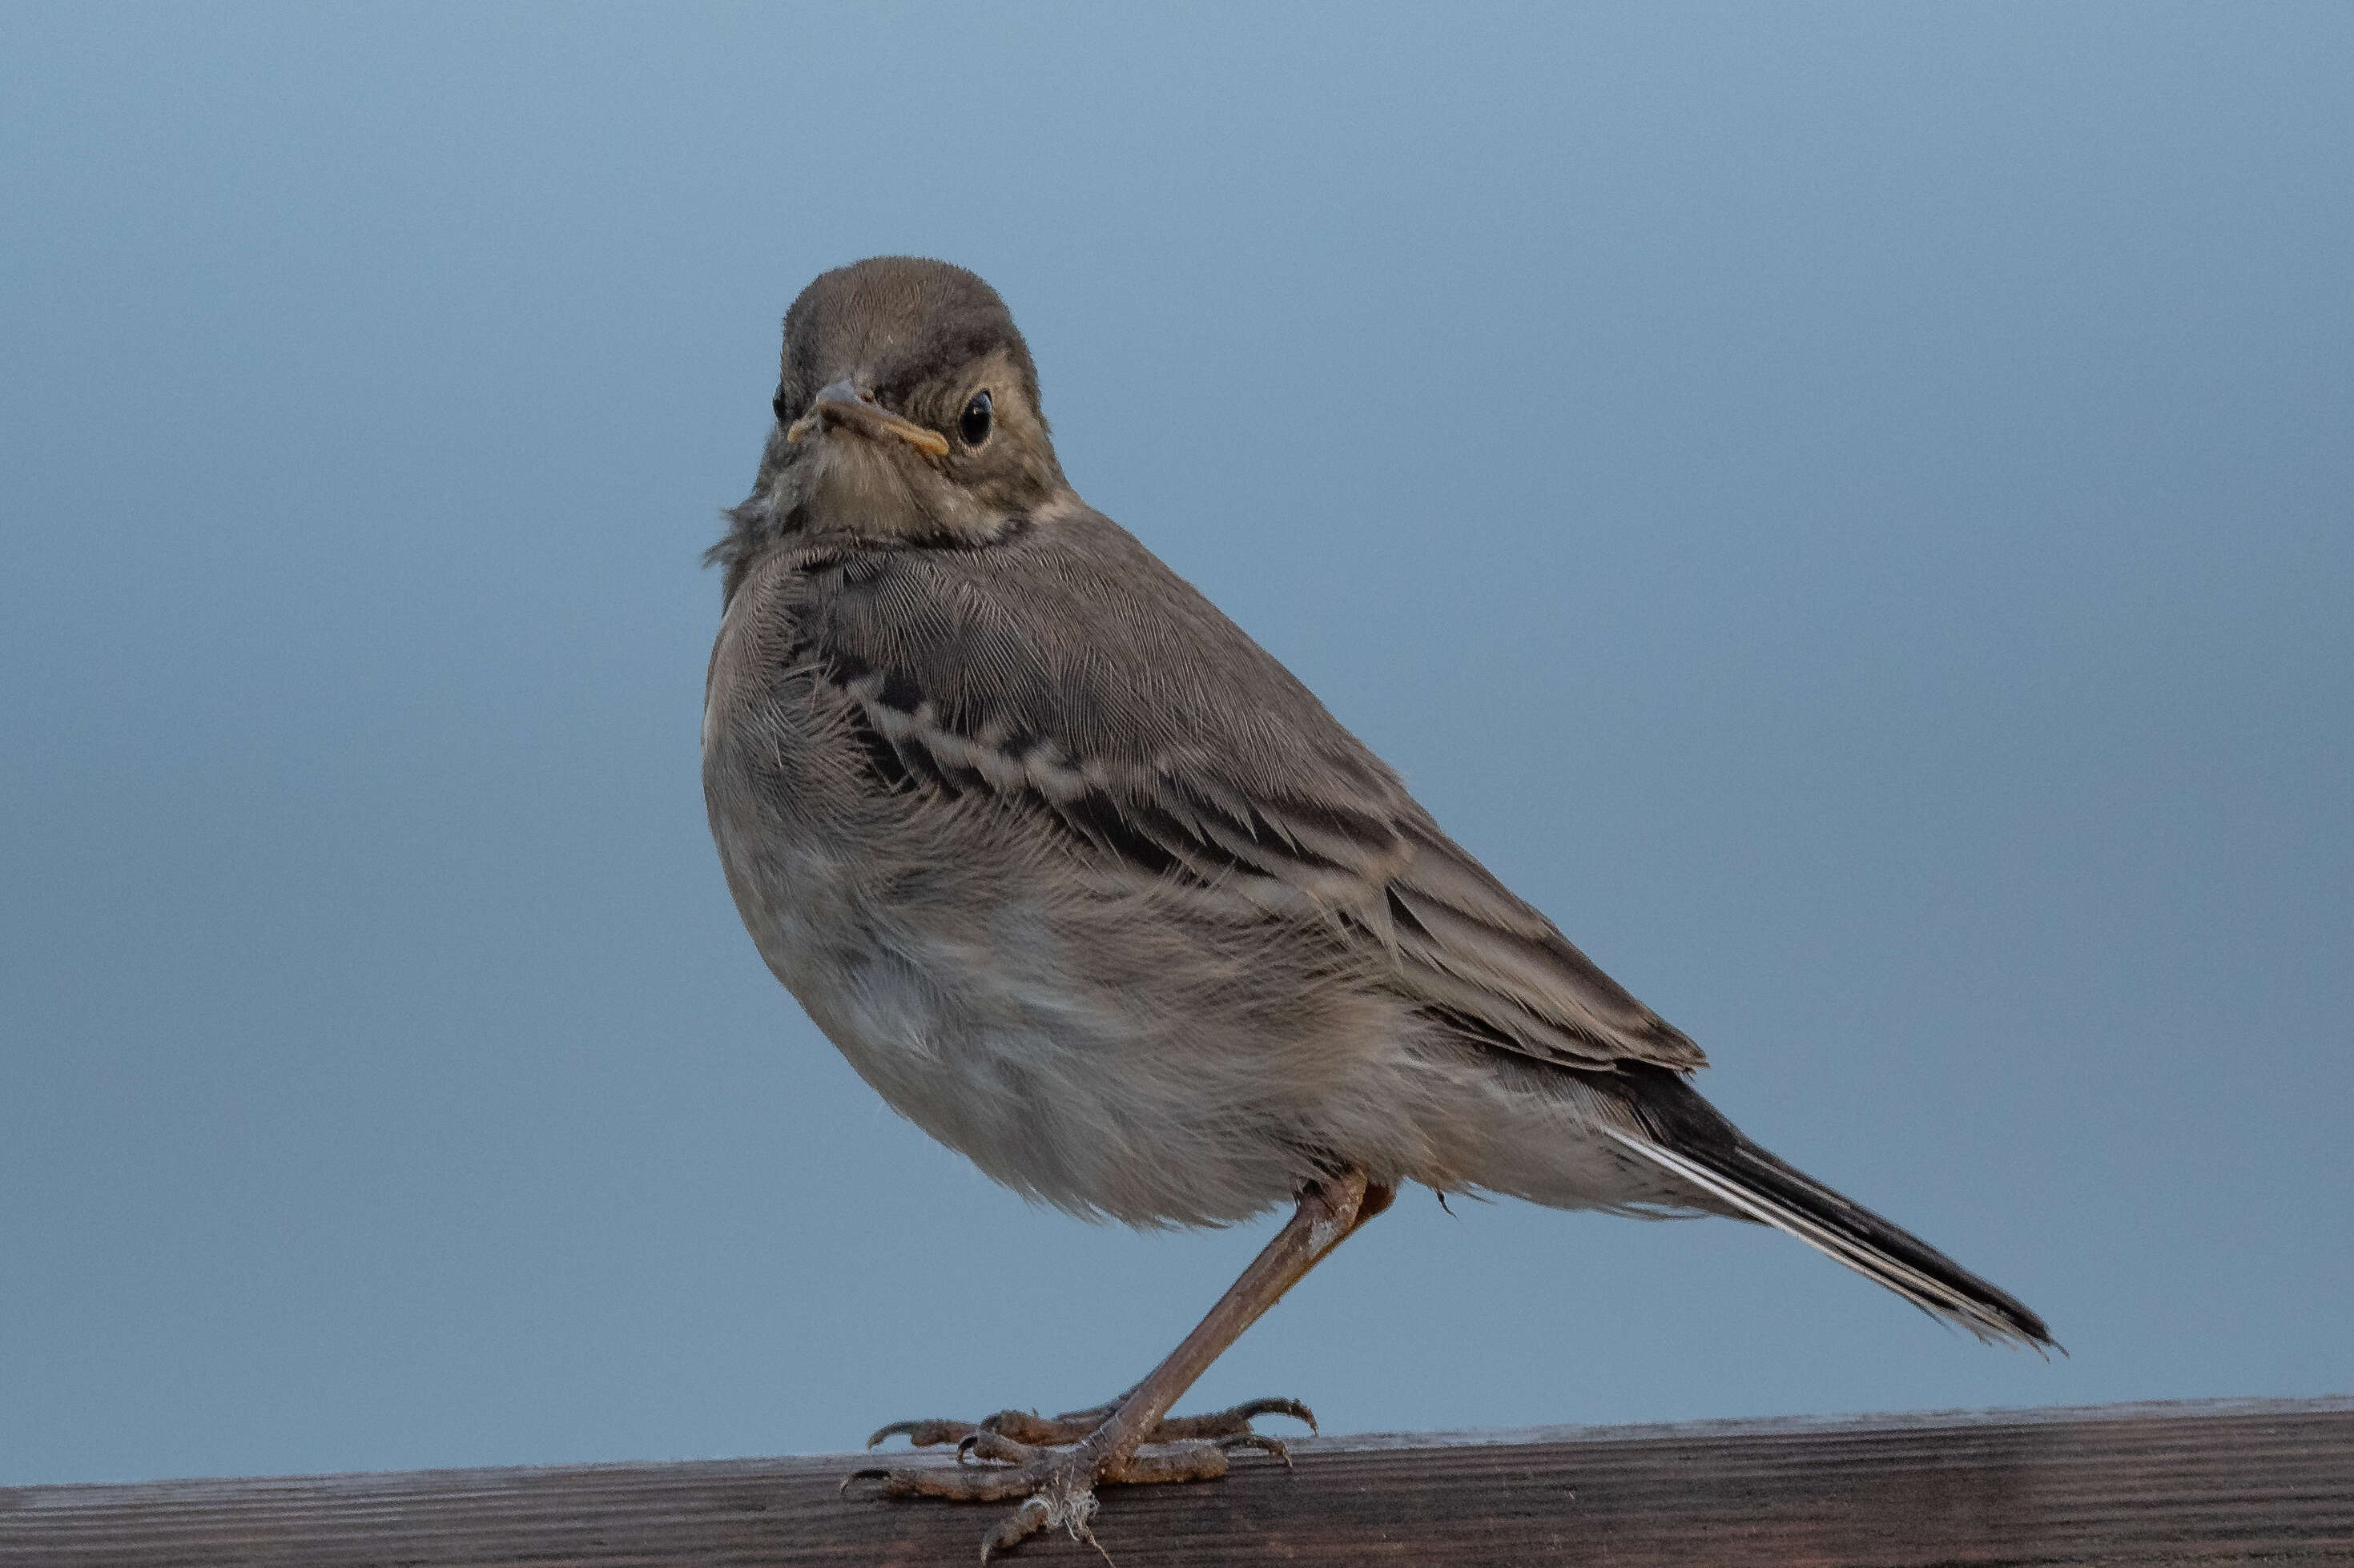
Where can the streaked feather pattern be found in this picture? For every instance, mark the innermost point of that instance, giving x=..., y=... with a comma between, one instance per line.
x=1178, y=746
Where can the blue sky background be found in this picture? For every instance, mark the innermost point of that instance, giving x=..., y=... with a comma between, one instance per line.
x=1848, y=508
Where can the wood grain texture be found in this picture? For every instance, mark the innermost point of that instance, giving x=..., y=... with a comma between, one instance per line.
x=2234, y=1481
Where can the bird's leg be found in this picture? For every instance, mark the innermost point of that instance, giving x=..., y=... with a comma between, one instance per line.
x=1059, y=1486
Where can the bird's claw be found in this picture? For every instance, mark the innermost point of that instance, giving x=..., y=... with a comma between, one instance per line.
x=866, y=1473
x=1274, y=1447
x=1038, y=1431
x=1051, y=1466
x=923, y=1434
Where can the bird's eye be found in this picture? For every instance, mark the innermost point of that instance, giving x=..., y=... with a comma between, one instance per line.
x=973, y=423
x=777, y=406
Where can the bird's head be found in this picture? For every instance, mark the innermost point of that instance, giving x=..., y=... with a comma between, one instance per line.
x=907, y=412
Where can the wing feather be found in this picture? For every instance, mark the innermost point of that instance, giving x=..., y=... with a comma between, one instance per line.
x=1069, y=675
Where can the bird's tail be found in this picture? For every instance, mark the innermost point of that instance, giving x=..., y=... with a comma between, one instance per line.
x=1691, y=1140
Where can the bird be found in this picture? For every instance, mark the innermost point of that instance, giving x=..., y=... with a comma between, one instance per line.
x=1088, y=886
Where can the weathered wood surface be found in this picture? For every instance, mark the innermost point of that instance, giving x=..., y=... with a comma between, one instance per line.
x=2236, y=1481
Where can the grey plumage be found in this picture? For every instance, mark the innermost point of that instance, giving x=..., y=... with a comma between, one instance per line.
x=1087, y=886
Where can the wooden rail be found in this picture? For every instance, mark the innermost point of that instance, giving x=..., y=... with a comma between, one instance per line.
x=2230, y=1481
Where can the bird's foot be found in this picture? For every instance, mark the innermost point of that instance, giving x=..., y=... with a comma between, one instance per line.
x=1027, y=1426
x=1058, y=1484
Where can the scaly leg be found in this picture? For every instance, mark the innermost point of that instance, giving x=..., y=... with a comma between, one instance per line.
x=1059, y=1487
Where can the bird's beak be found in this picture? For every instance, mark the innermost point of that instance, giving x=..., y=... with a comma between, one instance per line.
x=841, y=403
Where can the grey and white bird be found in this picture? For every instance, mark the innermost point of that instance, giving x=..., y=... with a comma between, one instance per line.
x=1089, y=887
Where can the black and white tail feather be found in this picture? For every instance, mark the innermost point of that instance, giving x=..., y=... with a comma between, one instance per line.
x=1689, y=1137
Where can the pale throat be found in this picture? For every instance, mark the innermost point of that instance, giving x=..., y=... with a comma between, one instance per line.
x=850, y=485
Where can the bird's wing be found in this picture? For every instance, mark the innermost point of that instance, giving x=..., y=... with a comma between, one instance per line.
x=1071, y=674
